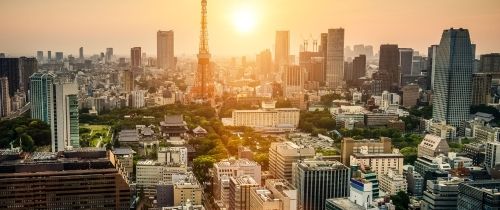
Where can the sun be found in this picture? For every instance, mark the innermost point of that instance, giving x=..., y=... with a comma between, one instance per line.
x=244, y=19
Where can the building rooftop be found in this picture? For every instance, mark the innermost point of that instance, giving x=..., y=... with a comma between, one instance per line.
x=312, y=164
x=123, y=151
x=235, y=163
x=345, y=203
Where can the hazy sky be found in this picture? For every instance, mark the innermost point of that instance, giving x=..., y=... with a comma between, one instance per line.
x=65, y=25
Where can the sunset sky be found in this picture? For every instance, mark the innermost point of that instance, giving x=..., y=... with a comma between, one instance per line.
x=62, y=25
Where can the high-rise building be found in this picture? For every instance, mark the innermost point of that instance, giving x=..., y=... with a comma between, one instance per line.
x=481, y=194
x=405, y=60
x=69, y=180
x=27, y=66
x=49, y=56
x=410, y=95
x=39, y=56
x=481, y=85
x=392, y=182
x=431, y=57
x=138, y=98
x=441, y=194
x=5, y=106
x=9, y=67
x=66, y=116
x=109, y=55
x=453, y=78
x=42, y=99
x=127, y=80
x=492, y=156
x=317, y=180
x=240, y=189
x=490, y=63
x=135, y=57
x=165, y=50
x=389, y=62
x=283, y=154
x=264, y=61
x=80, y=53
x=335, y=58
x=57, y=105
x=278, y=194
x=293, y=80
x=358, y=67
x=350, y=146
x=282, y=49
x=59, y=57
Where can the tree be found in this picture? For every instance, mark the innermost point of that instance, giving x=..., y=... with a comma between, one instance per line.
x=201, y=166
x=410, y=155
x=401, y=200
x=262, y=159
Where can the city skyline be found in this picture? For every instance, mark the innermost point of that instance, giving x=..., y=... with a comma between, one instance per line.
x=364, y=22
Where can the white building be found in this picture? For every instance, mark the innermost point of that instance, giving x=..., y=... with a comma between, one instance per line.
x=380, y=163
x=392, y=182
x=173, y=155
x=285, y=119
x=492, y=154
x=237, y=168
x=138, y=98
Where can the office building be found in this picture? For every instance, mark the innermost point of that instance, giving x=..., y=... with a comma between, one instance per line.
x=42, y=100
x=431, y=57
x=490, y=63
x=283, y=154
x=278, y=119
x=433, y=146
x=5, y=105
x=187, y=190
x=78, y=179
x=481, y=88
x=278, y=194
x=165, y=50
x=475, y=151
x=49, y=56
x=293, y=80
x=350, y=146
x=392, y=182
x=59, y=57
x=67, y=128
x=453, y=78
x=138, y=98
x=380, y=163
x=414, y=179
x=406, y=60
x=360, y=197
x=127, y=80
x=237, y=168
x=411, y=95
x=282, y=49
x=109, y=55
x=240, y=189
x=80, y=54
x=335, y=58
x=135, y=57
x=478, y=195
x=443, y=130
x=39, y=56
x=173, y=155
x=264, y=63
x=441, y=194
x=492, y=157
x=358, y=68
x=317, y=180
x=18, y=71
x=389, y=63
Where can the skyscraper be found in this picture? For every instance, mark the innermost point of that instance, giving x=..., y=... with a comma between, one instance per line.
x=81, y=54
x=293, y=80
x=109, y=55
x=9, y=67
x=59, y=57
x=490, y=63
x=28, y=66
x=5, y=107
x=389, y=62
x=481, y=85
x=135, y=57
x=431, y=57
x=66, y=115
x=282, y=49
x=264, y=61
x=49, y=56
x=358, y=67
x=405, y=60
x=57, y=105
x=317, y=180
x=127, y=80
x=165, y=49
x=453, y=78
x=335, y=58
x=39, y=56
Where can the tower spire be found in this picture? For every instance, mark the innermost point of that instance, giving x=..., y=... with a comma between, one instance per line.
x=203, y=88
